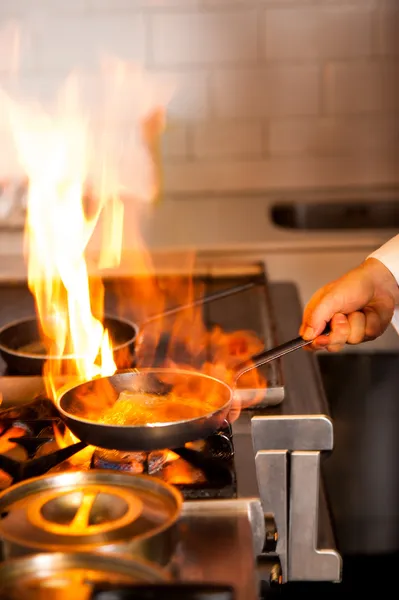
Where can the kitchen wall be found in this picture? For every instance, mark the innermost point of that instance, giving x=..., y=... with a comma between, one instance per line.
x=270, y=93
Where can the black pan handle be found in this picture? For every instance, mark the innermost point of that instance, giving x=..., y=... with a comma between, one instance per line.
x=164, y=591
x=202, y=301
x=267, y=356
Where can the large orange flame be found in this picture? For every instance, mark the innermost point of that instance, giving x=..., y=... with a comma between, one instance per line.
x=77, y=170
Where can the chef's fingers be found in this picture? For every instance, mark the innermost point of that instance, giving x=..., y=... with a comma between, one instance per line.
x=376, y=321
x=318, y=312
x=337, y=338
x=357, y=325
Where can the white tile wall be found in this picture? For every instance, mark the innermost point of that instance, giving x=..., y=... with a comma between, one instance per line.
x=228, y=139
x=209, y=38
x=269, y=93
x=309, y=33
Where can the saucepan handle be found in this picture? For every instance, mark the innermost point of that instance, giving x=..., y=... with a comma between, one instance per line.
x=267, y=356
x=232, y=291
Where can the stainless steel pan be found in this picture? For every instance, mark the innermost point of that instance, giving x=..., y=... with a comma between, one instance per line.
x=209, y=400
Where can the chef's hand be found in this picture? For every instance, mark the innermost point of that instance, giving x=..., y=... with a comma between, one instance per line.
x=359, y=306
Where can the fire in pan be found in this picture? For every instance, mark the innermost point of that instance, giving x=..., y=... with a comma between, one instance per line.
x=23, y=351
x=152, y=409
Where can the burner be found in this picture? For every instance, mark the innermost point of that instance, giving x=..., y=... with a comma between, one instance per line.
x=131, y=462
x=205, y=464
x=202, y=469
x=90, y=511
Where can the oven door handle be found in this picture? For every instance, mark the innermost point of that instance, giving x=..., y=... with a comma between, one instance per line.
x=166, y=591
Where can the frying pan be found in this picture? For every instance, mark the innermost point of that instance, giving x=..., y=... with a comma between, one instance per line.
x=20, y=340
x=22, y=351
x=190, y=387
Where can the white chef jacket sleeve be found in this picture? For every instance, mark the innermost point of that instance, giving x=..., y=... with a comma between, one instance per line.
x=388, y=254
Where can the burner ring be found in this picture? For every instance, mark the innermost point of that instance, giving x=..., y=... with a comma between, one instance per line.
x=126, y=514
x=72, y=512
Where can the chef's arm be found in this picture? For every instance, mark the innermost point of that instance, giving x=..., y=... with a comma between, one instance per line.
x=359, y=305
x=388, y=255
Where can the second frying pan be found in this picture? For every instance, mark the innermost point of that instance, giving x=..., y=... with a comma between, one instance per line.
x=24, y=353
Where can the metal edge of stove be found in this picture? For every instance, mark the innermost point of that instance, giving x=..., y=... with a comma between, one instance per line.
x=217, y=544
x=302, y=421
x=313, y=556
x=288, y=441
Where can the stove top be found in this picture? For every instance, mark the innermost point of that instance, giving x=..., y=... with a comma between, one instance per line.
x=32, y=438
x=35, y=442
x=32, y=443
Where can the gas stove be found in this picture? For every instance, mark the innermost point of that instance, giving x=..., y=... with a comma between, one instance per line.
x=255, y=514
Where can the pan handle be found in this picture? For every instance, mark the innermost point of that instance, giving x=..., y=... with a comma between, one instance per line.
x=266, y=356
x=200, y=301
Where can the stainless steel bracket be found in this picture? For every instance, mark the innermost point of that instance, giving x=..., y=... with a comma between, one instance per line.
x=271, y=467
x=292, y=432
x=307, y=560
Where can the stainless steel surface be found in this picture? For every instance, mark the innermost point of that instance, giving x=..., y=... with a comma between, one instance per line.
x=189, y=386
x=273, y=475
x=307, y=562
x=16, y=335
x=61, y=576
x=93, y=511
x=293, y=432
x=250, y=508
x=217, y=544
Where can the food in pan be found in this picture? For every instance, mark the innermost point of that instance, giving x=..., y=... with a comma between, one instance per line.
x=134, y=408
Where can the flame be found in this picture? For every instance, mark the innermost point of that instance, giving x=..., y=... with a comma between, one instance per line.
x=78, y=182
x=12, y=432
x=80, y=177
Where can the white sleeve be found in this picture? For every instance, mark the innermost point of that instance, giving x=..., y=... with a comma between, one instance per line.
x=388, y=254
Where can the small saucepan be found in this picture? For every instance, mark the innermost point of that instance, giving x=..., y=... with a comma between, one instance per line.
x=25, y=354
x=152, y=409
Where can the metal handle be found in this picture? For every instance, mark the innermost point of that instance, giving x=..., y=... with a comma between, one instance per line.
x=166, y=591
x=257, y=360
x=200, y=301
